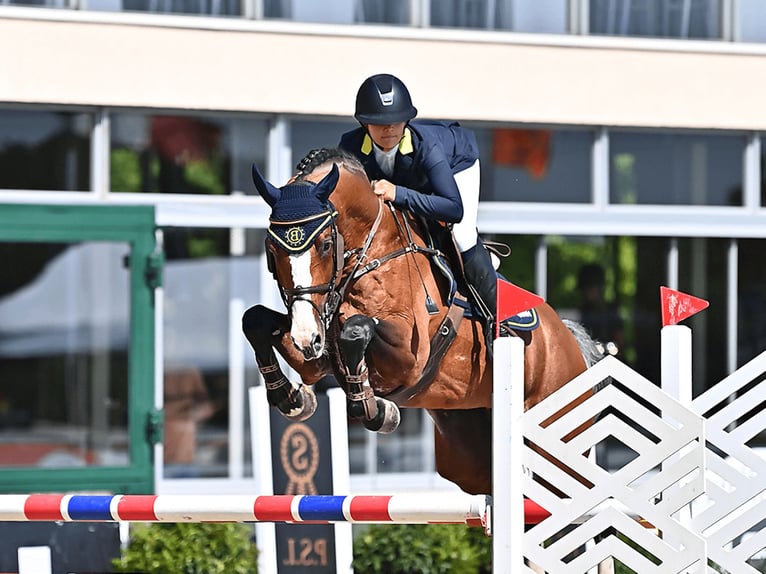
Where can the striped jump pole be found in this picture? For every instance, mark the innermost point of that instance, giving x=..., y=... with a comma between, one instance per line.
x=421, y=508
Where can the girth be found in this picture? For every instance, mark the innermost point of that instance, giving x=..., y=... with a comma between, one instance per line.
x=440, y=343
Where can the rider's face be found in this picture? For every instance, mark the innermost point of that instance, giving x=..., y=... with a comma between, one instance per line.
x=386, y=137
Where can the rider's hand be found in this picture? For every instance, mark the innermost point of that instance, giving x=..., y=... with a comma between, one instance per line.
x=385, y=189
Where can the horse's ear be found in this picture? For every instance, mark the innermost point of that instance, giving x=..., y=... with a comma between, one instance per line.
x=268, y=192
x=325, y=187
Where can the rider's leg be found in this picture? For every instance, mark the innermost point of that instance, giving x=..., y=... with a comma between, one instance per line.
x=464, y=231
x=481, y=275
x=477, y=264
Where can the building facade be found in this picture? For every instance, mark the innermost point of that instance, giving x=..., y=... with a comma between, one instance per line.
x=620, y=141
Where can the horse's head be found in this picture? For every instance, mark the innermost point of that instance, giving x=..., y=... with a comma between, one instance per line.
x=305, y=254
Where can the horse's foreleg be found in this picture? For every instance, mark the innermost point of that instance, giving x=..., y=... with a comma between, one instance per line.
x=377, y=414
x=264, y=328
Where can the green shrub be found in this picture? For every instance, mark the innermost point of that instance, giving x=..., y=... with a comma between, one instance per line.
x=209, y=548
x=422, y=548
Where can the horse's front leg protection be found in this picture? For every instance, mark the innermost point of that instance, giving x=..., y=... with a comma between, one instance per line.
x=262, y=326
x=355, y=336
x=377, y=414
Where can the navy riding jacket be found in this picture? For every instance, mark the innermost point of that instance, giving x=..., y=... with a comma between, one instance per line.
x=429, y=155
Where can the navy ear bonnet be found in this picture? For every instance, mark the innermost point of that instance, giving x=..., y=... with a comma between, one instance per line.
x=299, y=211
x=298, y=217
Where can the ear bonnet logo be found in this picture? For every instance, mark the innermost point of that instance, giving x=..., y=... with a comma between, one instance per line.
x=295, y=236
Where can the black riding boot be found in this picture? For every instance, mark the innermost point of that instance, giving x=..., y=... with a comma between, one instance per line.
x=482, y=281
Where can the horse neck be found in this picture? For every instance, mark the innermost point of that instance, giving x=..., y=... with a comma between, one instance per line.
x=357, y=213
x=358, y=210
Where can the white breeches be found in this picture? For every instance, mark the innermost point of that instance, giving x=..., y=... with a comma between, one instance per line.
x=468, y=182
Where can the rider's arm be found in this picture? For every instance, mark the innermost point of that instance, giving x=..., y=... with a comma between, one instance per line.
x=444, y=204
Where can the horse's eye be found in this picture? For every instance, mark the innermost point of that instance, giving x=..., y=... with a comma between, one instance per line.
x=325, y=246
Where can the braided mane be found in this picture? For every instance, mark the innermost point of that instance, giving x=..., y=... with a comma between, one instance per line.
x=318, y=157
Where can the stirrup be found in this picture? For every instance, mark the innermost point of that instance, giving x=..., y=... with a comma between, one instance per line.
x=505, y=330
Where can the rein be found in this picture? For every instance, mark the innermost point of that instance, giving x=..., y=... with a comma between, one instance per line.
x=412, y=247
x=335, y=290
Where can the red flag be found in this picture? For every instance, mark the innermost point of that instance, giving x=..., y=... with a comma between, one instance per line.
x=512, y=300
x=677, y=306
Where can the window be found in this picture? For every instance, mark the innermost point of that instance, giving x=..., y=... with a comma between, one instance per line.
x=702, y=264
x=763, y=170
x=63, y=354
x=335, y=12
x=306, y=135
x=675, y=169
x=201, y=282
x=751, y=21
x=460, y=14
x=656, y=18
x=536, y=165
x=204, y=155
x=590, y=280
x=542, y=16
x=45, y=150
x=384, y=11
x=629, y=272
x=47, y=3
x=751, y=300
x=200, y=7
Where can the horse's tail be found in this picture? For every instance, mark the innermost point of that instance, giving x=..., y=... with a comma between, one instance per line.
x=591, y=350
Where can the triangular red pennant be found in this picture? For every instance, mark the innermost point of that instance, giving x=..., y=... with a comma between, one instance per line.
x=533, y=512
x=512, y=300
x=677, y=306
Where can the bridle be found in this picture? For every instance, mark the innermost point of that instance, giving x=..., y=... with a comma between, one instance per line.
x=334, y=290
x=333, y=295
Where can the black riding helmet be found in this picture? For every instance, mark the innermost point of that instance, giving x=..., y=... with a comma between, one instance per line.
x=383, y=99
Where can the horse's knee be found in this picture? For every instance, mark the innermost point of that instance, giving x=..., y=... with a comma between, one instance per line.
x=251, y=319
x=260, y=323
x=354, y=337
x=358, y=328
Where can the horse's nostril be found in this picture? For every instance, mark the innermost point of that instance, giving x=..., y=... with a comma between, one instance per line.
x=316, y=343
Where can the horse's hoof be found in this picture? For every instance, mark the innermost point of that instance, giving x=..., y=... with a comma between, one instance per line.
x=387, y=419
x=307, y=407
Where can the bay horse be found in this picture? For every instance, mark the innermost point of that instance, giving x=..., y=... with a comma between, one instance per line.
x=364, y=304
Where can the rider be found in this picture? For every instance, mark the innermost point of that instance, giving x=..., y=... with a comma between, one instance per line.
x=428, y=168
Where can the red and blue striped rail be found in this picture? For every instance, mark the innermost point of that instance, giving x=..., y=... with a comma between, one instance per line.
x=422, y=508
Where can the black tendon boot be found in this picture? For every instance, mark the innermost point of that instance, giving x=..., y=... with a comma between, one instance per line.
x=482, y=282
